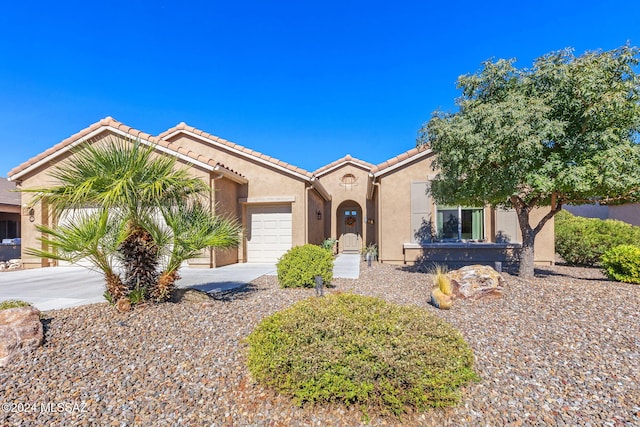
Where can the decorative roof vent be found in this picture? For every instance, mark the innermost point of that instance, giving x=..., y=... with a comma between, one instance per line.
x=348, y=180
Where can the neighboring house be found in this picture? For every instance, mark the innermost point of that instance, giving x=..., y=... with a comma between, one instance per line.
x=9, y=210
x=9, y=220
x=628, y=212
x=281, y=205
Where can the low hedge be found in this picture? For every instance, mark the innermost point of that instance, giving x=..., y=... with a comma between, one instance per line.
x=582, y=241
x=622, y=263
x=352, y=349
x=299, y=266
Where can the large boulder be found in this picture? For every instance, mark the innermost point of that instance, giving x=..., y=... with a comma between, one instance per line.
x=475, y=282
x=20, y=333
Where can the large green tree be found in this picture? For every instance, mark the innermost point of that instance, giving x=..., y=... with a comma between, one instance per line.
x=125, y=206
x=562, y=131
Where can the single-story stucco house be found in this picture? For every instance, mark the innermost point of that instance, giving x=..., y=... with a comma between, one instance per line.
x=281, y=205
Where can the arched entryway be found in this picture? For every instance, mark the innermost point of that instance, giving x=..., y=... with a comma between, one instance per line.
x=349, y=227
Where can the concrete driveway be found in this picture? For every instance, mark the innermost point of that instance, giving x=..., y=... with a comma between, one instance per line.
x=60, y=287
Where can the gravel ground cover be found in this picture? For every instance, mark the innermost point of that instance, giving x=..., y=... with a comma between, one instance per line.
x=562, y=349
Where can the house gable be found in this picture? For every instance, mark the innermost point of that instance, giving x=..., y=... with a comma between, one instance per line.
x=109, y=126
x=340, y=163
x=183, y=131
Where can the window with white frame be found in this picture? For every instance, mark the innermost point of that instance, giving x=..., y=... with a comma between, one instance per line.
x=460, y=223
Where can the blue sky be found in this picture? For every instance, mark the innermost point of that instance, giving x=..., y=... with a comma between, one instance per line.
x=305, y=82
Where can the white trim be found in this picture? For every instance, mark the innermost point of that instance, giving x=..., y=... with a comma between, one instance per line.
x=226, y=173
x=403, y=162
x=343, y=163
x=236, y=151
x=58, y=153
x=118, y=132
x=268, y=199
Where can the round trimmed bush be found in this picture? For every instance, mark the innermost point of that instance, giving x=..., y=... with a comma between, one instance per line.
x=360, y=350
x=582, y=241
x=622, y=263
x=299, y=266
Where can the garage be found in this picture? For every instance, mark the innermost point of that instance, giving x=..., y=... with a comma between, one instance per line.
x=269, y=234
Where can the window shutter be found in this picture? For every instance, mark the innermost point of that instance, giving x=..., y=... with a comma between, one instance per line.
x=420, y=211
x=507, y=228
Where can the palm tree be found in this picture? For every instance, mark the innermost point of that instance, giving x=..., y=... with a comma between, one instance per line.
x=134, y=188
x=88, y=235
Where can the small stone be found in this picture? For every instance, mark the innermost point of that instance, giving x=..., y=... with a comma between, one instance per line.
x=123, y=305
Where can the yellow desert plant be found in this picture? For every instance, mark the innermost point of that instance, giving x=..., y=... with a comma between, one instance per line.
x=440, y=278
x=441, y=293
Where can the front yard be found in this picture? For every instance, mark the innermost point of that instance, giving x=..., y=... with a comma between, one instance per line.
x=561, y=349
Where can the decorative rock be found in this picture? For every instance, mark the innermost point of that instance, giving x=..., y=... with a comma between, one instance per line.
x=21, y=332
x=12, y=264
x=476, y=282
x=191, y=295
x=123, y=305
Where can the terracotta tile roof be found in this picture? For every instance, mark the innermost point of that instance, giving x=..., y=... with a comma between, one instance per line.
x=399, y=158
x=109, y=122
x=344, y=159
x=251, y=153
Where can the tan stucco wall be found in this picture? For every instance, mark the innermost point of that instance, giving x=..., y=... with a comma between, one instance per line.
x=38, y=178
x=343, y=194
x=225, y=203
x=544, y=248
x=317, y=229
x=394, y=193
x=395, y=229
x=266, y=182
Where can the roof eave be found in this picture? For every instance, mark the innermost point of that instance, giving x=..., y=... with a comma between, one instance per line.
x=423, y=153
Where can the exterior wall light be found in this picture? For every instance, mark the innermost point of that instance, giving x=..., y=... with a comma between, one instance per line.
x=319, y=215
x=32, y=216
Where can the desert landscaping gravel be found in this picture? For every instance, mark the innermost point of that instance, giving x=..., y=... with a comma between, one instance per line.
x=562, y=349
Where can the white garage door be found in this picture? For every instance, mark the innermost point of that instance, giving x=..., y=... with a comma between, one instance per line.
x=269, y=232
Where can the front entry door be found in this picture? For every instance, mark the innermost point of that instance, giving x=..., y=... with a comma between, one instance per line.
x=351, y=238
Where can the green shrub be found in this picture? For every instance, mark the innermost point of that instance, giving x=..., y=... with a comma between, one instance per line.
x=13, y=303
x=622, y=263
x=298, y=267
x=351, y=349
x=328, y=244
x=582, y=241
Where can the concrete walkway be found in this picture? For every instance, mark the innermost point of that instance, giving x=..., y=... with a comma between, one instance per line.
x=61, y=287
x=347, y=266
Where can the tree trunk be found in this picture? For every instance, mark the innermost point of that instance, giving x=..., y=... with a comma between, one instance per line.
x=527, y=269
x=523, y=210
x=140, y=260
x=115, y=287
